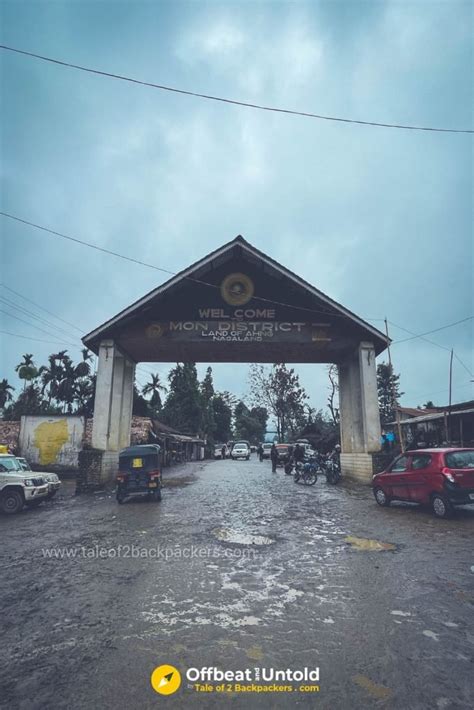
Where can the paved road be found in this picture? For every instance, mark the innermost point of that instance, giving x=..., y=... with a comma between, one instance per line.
x=280, y=583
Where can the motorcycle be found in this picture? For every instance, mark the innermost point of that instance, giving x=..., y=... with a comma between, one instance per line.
x=333, y=471
x=307, y=473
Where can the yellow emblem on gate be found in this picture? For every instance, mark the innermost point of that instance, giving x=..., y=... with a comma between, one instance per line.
x=155, y=330
x=237, y=289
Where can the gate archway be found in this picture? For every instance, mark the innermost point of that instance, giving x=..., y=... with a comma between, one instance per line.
x=237, y=304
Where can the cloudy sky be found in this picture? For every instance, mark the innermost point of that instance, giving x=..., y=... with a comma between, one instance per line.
x=379, y=219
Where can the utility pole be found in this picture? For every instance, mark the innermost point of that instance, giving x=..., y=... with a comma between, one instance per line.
x=394, y=396
x=450, y=392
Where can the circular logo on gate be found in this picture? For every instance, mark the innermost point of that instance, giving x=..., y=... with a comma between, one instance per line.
x=155, y=330
x=237, y=289
x=165, y=679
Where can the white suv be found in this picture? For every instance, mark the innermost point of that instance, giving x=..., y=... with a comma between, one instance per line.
x=241, y=450
x=52, y=479
x=19, y=487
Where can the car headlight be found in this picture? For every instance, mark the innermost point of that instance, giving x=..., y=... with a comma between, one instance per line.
x=28, y=482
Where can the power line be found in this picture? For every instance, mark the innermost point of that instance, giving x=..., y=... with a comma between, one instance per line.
x=435, y=330
x=12, y=304
x=12, y=315
x=38, y=340
x=41, y=307
x=246, y=104
x=32, y=315
x=432, y=342
x=167, y=271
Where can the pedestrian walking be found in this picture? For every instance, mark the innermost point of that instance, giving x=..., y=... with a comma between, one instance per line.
x=260, y=452
x=274, y=457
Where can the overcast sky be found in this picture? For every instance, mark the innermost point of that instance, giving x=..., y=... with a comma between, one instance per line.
x=379, y=219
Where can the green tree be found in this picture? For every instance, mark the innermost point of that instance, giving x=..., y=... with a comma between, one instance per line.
x=26, y=369
x=320, y=430
x=84, y=392
x=388, y=387
x=182, y=408
x=222, y=417
x=280, y=392
x=29, y=401
x=50, y=376
x=5, y=393
x=154, y=387
x=250, y=424
x=141, y=406
x=208, y=421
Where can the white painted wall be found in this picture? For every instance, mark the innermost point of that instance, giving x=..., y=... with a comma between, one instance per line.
x=52, y=441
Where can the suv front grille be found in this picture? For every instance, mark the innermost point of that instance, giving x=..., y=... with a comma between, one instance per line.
x=38, y=481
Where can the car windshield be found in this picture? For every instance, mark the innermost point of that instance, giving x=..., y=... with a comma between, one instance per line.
x=9, y=464
x=460, y=459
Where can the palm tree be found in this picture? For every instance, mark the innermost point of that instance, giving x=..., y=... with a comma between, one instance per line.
x=83, y=369
x=5, y=393
x=27, y=370
x=50, y=377
x=154, y=387
x=67, y=381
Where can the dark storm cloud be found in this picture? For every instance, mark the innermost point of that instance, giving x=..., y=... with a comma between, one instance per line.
x=379, y=219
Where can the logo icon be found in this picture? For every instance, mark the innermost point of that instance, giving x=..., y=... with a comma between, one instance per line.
x=155, y=330
x=237, y=289
x=165, y=679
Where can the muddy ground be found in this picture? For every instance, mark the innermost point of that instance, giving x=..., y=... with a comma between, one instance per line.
x=281, y=576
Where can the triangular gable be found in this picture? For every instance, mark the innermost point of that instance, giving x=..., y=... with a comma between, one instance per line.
x=276, y=288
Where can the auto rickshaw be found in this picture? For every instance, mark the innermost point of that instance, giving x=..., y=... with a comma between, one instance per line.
x=139, y=472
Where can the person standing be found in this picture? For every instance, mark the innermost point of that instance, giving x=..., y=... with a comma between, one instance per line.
x=274, y=457
x=260, y=452
x=298, y=454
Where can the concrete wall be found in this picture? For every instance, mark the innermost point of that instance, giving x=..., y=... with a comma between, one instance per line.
x=362, y=466
x=52, y=442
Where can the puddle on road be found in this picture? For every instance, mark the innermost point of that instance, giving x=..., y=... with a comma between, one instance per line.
x=238, y=537
x=363, y=544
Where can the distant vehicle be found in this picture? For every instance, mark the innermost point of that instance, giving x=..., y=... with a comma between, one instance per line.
x=139, y=472
x=241, y=450
x=282, y=454
x=266, y=450
x=18, y=487
x=440, y=478
x=218, y=451
x=52, y=478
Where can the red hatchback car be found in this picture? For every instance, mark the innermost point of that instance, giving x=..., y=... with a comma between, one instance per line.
x=440, y=478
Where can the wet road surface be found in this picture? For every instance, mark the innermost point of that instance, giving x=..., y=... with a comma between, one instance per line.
x=259, y=572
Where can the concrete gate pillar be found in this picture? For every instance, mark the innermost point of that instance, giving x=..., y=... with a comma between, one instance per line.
x=112, y=411
x=359, y=412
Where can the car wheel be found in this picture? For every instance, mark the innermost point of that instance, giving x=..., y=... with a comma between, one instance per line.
x=248, y=458
x=381, y=497
x=11, y=502
x=441, y=506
